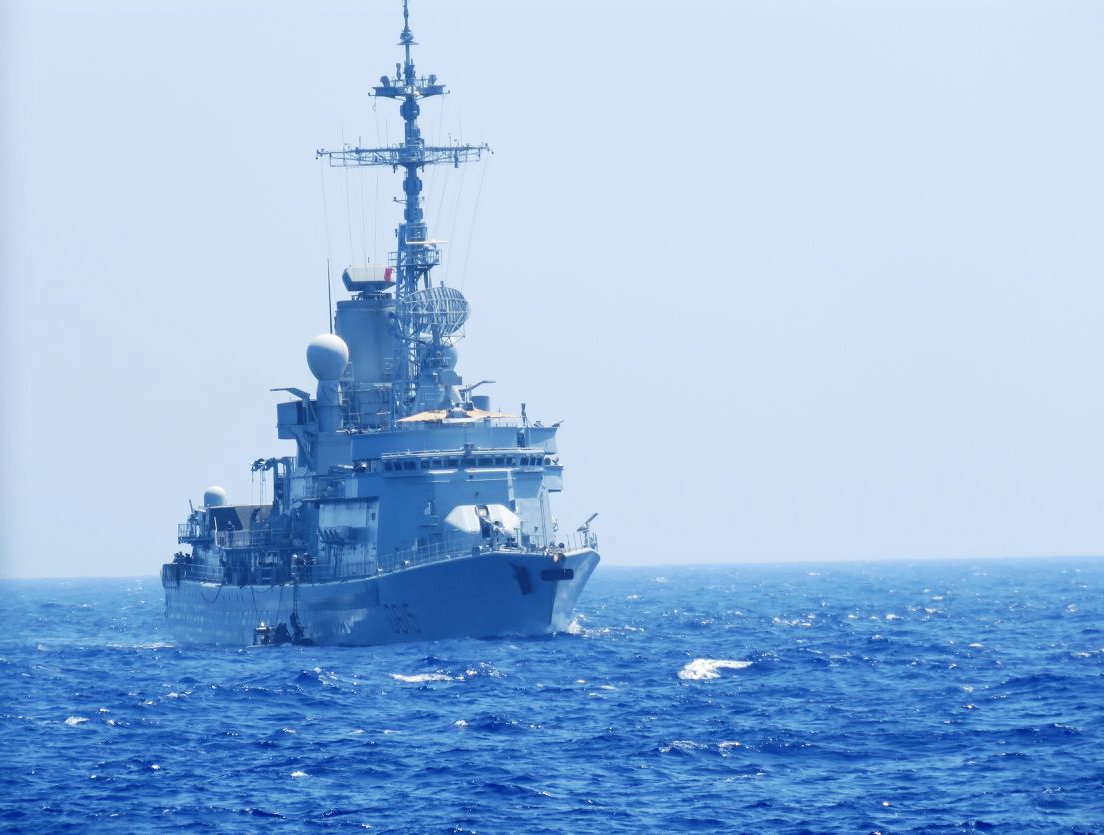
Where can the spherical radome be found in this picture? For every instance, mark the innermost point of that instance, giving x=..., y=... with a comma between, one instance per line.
x=214, y=496
x=327, y=356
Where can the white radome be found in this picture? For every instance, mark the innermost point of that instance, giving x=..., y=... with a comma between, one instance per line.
x=327, y=356
x=214, y=496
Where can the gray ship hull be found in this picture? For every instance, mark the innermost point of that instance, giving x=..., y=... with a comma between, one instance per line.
x=485, y=595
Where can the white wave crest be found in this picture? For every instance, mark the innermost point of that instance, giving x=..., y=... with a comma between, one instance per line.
x=680, y=745
x=153, y=645
x=423, y=677
x=704, y=668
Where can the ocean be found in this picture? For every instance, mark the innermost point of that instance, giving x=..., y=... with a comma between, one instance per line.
x=865, y=697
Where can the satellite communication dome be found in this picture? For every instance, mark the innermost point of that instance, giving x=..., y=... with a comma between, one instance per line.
x=327, y=356
x=214, y=496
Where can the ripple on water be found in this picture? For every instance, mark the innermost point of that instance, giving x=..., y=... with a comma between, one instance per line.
x=764, y=698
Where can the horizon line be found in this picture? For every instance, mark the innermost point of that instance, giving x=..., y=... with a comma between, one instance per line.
x=714, y=564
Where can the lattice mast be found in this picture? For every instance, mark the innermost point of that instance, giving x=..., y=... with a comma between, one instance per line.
x=416, y=254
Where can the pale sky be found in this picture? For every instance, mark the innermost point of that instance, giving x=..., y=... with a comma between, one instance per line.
x=805, y=280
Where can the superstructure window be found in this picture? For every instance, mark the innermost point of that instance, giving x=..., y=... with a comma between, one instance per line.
x=467, y=461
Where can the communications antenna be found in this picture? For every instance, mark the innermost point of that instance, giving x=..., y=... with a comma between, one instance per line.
x=424, y=314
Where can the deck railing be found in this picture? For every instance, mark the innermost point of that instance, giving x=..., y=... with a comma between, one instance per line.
x=188, y=531
x=385, y=563
x=259, y=538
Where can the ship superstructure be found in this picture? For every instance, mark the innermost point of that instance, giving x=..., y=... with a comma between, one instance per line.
x=410, y=509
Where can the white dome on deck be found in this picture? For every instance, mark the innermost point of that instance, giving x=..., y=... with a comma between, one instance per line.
x=327, y=356
x=214, y=496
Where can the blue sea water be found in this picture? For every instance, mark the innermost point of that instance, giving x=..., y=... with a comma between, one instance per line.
x=892, y=697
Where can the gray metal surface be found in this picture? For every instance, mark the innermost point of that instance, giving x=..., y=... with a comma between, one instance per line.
x=408, y=512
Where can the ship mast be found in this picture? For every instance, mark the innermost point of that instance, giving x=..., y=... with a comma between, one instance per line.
x=422, y=315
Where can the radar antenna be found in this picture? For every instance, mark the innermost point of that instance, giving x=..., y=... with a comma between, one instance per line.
x=590, y=539
x=416, y=300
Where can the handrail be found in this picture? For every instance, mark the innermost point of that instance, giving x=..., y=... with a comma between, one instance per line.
x=188, y=531
x=385, y=564
x=244, y=539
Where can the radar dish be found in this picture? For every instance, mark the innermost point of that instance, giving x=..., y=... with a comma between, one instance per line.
x=435, y=311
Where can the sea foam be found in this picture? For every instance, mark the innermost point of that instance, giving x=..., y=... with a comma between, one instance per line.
x=703, y=668
x=423, y=677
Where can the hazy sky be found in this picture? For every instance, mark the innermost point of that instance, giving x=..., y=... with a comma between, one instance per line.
x=805, y=280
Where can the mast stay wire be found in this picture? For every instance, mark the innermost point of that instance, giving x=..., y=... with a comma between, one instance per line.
x=475, y=214
x=375, y=221
x=375, y=204
x=363, y=220
x=329, y=248
x=455, y=216
x=441, y=196
x=436, y=187
x=348, y=207
x=440, y=205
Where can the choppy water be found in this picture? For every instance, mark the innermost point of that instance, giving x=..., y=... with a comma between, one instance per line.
x=888, y=697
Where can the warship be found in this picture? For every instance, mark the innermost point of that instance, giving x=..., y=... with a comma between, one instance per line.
x=411, y=509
